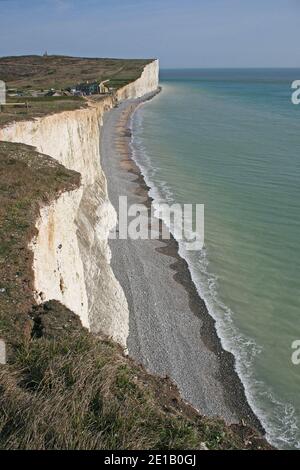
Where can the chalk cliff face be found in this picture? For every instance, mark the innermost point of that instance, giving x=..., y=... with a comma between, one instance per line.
x=147, y=83
x=71, y=252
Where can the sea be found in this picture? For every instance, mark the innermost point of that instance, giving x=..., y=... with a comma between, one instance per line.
x=230, y=139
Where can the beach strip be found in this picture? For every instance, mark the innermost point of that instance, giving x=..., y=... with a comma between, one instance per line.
x=170, y=330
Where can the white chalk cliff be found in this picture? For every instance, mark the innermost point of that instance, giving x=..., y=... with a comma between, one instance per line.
x=71, y=252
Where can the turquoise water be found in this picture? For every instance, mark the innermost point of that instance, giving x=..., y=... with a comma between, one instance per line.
x=230, y=139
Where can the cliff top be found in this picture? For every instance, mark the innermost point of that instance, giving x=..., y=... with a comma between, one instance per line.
x=40, y=85
x=37, y=72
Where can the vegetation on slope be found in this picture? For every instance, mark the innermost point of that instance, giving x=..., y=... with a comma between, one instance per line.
x=67, y=389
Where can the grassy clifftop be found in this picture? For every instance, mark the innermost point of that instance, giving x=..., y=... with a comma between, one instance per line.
x=36, y=72
x=29, y=74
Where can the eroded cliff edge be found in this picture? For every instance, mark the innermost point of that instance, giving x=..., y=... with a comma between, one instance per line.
x=71, y=256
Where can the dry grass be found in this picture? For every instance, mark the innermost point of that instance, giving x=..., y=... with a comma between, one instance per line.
x=38, y=107
x=36, y=72
x=67, y=389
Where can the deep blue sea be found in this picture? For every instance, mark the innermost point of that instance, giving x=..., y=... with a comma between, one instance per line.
x=230, y=139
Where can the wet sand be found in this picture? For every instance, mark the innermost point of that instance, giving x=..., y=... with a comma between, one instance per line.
x=170, y=330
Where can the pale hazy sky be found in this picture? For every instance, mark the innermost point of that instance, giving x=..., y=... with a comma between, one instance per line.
x=181, y=33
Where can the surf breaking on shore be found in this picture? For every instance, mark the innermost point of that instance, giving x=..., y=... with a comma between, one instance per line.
x=170, y=330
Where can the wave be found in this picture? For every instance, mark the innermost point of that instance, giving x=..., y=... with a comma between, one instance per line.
x=278, y=419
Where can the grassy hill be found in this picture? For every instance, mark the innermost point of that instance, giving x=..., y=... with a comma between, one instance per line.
x=28, y=74
x=37, y=72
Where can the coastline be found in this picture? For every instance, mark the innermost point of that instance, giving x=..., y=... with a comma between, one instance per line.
x=171, y=331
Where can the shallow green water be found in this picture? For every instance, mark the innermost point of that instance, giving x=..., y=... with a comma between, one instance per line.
x=230, y=139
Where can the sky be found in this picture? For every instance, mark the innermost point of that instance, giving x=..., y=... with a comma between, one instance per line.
x=181, y=33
